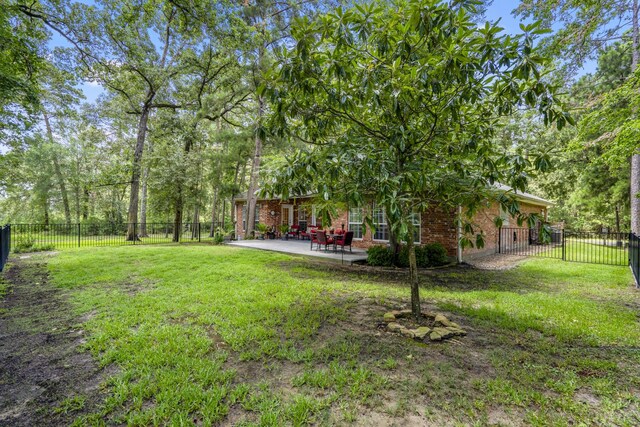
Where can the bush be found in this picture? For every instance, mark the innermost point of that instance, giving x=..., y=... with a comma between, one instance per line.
x=28, y=245
x=379, y=256
x=436, y=253
x=23, y=244
x=430, y=255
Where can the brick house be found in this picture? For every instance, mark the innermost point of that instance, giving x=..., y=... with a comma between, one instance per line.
x=434, y=225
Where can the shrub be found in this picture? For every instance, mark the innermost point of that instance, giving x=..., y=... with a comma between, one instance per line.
x=380, y=256
x=30, y=246
x=218, y=236
x=23, y=244
x=436, y=253
x=430, y=255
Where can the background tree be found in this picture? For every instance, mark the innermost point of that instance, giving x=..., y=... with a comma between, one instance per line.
x=586, y=29
x=21, y=58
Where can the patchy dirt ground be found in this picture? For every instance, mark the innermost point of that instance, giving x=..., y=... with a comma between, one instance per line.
x=42, y=370
x=497, y=262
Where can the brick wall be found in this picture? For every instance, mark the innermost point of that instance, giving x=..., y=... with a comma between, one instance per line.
x=484, y=220
x=437, y=225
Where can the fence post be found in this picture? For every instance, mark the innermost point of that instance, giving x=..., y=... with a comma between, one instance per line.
x=78, y=234
x=499, y=240
x=564, y=245
x=199, y=233
x=135, y=232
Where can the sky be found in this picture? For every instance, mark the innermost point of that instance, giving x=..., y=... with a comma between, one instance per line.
x=500, y=9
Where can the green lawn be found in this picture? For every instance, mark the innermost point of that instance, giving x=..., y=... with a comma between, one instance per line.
x=204, y=334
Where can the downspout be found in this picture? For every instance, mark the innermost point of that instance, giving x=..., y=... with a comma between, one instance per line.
x=459, y=235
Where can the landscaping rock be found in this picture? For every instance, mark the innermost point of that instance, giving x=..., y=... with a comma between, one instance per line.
x=443, y=332
x=394, y=326
x=407, y=333
x=435, y=336
x=456, y=331
x=443, y=327
x=421, y=332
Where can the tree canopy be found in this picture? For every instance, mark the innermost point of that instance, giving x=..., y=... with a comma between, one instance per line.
x=399, y=103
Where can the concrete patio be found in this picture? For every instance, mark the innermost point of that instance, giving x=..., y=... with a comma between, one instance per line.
x=302, y=247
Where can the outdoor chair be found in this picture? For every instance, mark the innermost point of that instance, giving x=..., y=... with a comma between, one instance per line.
x=345, y=240
x=313, y=236
x=323, y=240
x=294, y=231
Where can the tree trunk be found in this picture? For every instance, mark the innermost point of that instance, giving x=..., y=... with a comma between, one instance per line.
x=413, y=276
x=233, y=198
x=132, y=215
x=224, y=209
x=143, y=204
x=77, y=197
x=253, y=180
x=177, y=219
x=45, y=206
x=85, y=204
x=635, y=158
x=58, y=171
x=213, y=213
x=195, y=223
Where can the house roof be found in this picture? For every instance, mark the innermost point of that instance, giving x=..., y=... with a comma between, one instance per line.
x=521, y=196
x=242, y=197
x=524, y=197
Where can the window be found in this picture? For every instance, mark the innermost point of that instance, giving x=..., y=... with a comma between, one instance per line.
x=355, y=222
x=256, y=217
x=415, y=219
x=380, y=222
x=302, y=218
x=244, y=216
x=382, y=228
x=505, y=216
x=314, y=218
x=245, y=209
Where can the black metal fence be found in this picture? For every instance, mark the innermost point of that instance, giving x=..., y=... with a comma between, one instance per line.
x=567, y=245
x=634, y=256
x=29, y=237
x=5, y=244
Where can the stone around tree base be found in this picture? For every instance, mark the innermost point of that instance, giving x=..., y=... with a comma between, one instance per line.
x=442, y=329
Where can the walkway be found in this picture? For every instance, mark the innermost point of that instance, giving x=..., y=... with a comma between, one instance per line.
x=302, y=247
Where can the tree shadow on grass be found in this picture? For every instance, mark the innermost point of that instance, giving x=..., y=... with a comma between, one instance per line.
x=454, y=278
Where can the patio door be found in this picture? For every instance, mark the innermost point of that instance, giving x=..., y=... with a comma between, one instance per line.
x=287, y=215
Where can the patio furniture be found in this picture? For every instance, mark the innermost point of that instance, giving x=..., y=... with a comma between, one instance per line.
x=313, y=236
x=324, y=240
x=345, y=240
x=294, y=231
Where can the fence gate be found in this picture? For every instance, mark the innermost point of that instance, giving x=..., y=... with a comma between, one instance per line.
x=575, y=246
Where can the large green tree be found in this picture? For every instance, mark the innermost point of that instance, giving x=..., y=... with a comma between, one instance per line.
x=21, y=58
x=587, y=28
x=399, y=103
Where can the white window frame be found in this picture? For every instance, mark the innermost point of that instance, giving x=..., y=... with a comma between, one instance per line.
x=314, y=218
x=303, y=211
x=256, y=216
x=355, y=211
x=244, y=216
x=416, y=217
x=377, y=224
x=505, y=216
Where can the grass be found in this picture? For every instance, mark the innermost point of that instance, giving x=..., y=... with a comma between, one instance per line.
x=204, y=334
